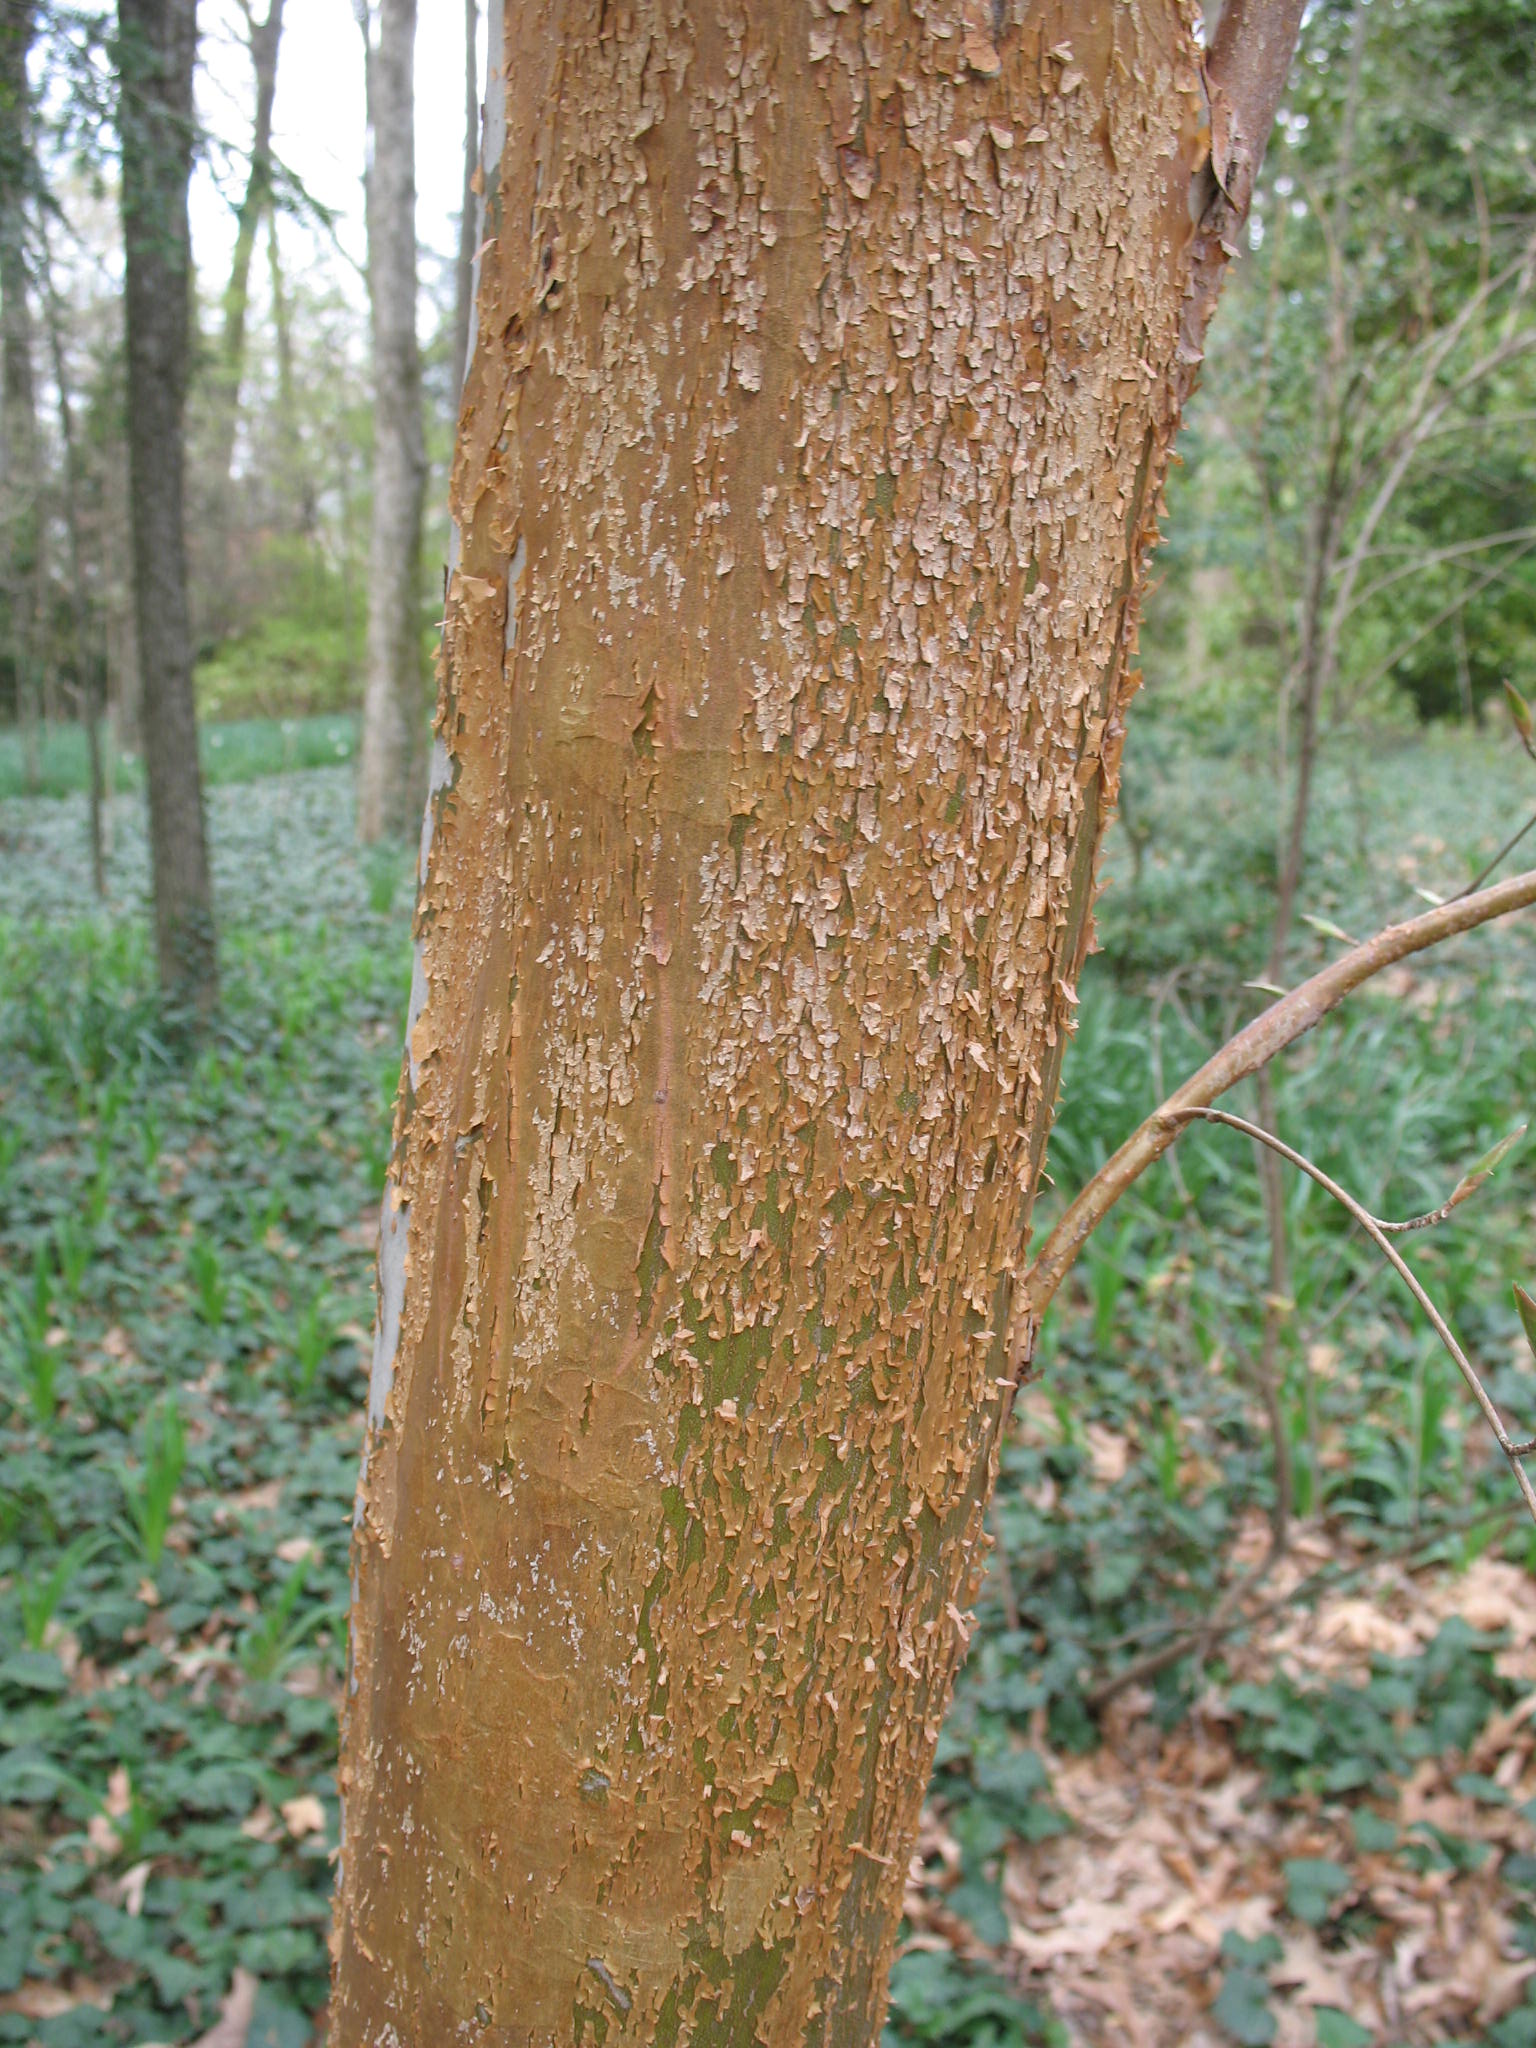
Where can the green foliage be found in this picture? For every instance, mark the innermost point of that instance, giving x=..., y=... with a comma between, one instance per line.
x=300, y=654
x=1338, y=1739
x=937, y=2001
x=1313, y=1885
x=40, y=1595
x=1242, y=2007
x=1336, y=2029
x=268, y=1644
x=209, y=1282
x=197, y=1223
x=193, y=1222
x=233, y=751
x=149, y=1493
x=30, y=1347
x=1395, y=191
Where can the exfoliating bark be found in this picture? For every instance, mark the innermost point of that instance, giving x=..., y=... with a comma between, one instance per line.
x=828, y=359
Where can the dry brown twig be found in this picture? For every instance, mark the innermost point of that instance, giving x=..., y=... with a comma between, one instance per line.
x=1249, y=1052
x=1270, y=1033
x=1378, y=1232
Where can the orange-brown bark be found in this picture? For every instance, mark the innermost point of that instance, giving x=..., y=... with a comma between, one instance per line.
x=828, y=363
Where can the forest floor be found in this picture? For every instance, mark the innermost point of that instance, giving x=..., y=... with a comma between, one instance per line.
x=1313, y=1827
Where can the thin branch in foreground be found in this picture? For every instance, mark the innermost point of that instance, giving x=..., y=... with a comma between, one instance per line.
x=1501, y=856
x=1253, y=1047
x=1514, y=1452
x=1464, y=1189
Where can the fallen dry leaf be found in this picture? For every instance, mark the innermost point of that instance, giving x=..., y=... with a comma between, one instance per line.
x=130, y=1889
x=235, y=2015
x=261, y=1824
x=1111, y=1454
x=303, y=1816
x=39, y=2001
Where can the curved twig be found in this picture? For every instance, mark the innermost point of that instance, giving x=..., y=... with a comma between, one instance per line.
x=1514, y=1452
x=1253, y=1047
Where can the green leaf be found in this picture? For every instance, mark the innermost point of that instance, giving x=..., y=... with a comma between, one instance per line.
x=1488, y=1165
x=1336, y=2029
x=980, y=1904
x=1249, y=1955
x=1527, y=1308
x=1372, y=1832
x=1328, y=928
x=1520, y=712
x=1312, y=1885
x=1242, y=2008
x=36, y=1670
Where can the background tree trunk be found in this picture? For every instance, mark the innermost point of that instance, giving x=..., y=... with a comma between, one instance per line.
x=392, y=777
x=469, y=212
x=809, y=459
x=264, y=39
x=89, y=663
x=157, y=49
x=20, y=471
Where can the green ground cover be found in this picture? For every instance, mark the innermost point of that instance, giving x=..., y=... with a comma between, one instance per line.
x=234, y=750
x=185, y=1273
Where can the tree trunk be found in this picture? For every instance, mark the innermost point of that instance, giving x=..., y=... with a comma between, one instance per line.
x=90, y=670
x=392, y=773
x=469, y=211
x=264, y=39
x=157, y=49
x=809, y=460
x=296, y=471
x=21, y=523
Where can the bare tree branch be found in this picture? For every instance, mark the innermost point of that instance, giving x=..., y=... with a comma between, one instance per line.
x=1279, y=1026
x=1432, y=557
x=1514, y=1452
x=1246, y=70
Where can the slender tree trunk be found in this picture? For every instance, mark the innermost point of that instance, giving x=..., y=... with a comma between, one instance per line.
x=296, y=467
x=392, y=771
x=90, y=671
x=20, y=471
x=807, y=470
x=263, y=40
x=157, y=50
x=469, y=211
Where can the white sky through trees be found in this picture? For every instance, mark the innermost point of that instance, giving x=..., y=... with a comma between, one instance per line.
x=319, y=125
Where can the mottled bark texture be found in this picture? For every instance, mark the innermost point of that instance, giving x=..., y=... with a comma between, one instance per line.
x=157, y=48
x=828, y=363
x=392, y=770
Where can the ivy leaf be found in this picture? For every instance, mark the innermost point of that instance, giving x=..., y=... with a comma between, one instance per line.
x=1242, y=2008
x=1336, y=2029
x=1312, y=1885
x=1373, y=1833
